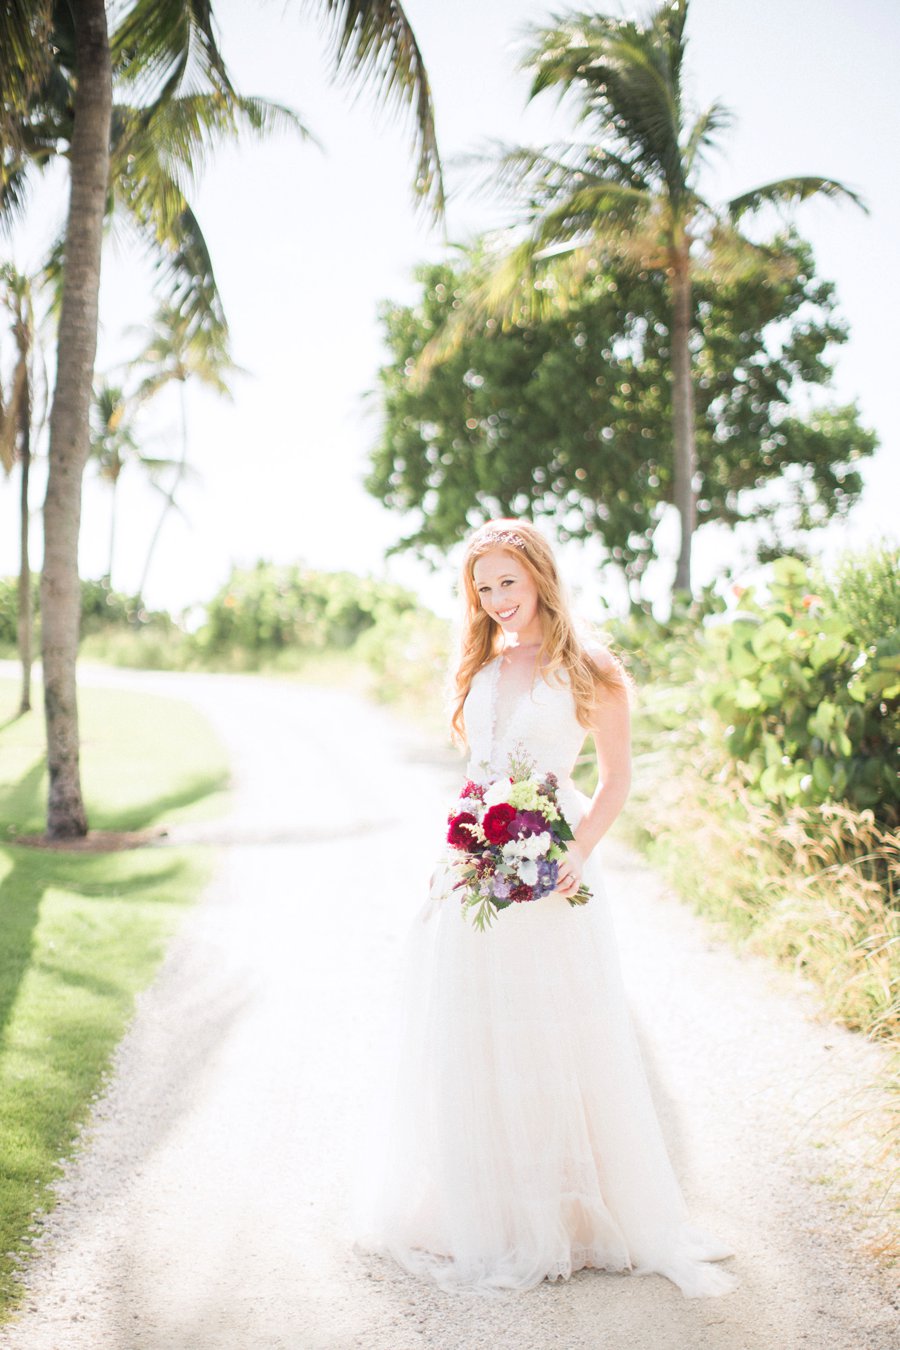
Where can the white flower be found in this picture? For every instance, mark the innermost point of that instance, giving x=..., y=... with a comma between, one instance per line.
x=497, y=792
x=528, y=872
x=536, y=845
x=515, y=849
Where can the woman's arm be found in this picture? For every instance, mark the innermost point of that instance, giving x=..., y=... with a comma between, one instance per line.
x=611, y=730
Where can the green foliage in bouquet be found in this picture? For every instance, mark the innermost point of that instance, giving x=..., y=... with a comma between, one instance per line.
x=808, y=686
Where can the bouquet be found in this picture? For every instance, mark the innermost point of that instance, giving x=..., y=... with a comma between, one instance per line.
x=508, y=839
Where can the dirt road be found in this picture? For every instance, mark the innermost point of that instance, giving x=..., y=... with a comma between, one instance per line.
x=208, y=1208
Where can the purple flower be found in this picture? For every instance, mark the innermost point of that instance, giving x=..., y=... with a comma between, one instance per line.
x=500, y=886
x=547, y=876
x=525, y=823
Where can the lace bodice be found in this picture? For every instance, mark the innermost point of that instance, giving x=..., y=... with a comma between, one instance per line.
x=500, y=719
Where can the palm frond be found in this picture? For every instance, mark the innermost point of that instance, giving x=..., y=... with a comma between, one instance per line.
x=373, y=41
x=170, y=141
x=163, y=47
x=592, y=208
x=626, y=80
x=790, y=191
x=509, y=284
x=177, y=350
x=173, y=240
x=15, y=189
x=530, y=174
x=702, y=136
x=25, y=56
x=730, y=257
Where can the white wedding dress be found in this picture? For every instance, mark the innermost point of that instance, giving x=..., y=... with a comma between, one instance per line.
x=523, y=1143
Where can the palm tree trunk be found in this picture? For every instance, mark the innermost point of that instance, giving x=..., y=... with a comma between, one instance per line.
x=685, y=453
x=69, y=435
x=24, y=624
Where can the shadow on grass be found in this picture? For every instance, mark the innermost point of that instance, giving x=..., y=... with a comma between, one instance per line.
x=23, y=889
x=21, y=802
x=33, y=873
x=139, y=815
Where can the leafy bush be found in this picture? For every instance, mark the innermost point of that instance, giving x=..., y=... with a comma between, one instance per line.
x=267, y=609
x=101, y=609
x=409, y=656
x=9, y=608
x=810, y=694
x=865, y=590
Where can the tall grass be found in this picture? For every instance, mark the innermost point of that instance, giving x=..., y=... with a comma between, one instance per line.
x=816, y=890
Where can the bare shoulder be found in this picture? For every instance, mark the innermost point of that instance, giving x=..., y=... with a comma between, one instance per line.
x=603, y=658
x=612, y=679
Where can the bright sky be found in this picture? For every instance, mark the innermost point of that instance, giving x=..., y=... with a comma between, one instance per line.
x=307, y=244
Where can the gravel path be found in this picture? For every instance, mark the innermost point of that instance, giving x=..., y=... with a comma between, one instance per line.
x=208, y=1207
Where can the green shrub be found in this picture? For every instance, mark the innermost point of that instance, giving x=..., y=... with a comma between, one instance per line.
x=865, y=590
x=101, y=609
x=266, y=609
x=9, y=608
x=809, y=693
x=409, y=654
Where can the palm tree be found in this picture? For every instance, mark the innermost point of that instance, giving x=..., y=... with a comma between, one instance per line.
x=179, y=350
x=70, y=412
x=627, y=194
x=16, y=416
x=114, y=443
x=159, y=45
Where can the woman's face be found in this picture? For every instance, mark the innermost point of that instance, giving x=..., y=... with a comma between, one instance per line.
x=508, y=593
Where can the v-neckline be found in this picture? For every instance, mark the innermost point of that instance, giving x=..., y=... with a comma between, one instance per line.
x=524, y=696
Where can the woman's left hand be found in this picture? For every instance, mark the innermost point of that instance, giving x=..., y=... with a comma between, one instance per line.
x=570, y=870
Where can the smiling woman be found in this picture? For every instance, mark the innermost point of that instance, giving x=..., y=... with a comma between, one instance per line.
x=523, y=1142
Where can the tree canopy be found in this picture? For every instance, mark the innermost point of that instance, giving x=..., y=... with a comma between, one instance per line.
x=625, y=192
x=569, y=417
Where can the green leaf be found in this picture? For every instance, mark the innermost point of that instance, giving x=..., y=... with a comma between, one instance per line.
x=789, y=572
x=822, y=720
x=746, y=696
x=768, y=641
x=742, y=660
x=821, y=776
x=842, y=744
x=827, y=648
x=771, y=689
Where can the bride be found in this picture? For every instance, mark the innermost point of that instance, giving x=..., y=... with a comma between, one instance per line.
x=523, y=1143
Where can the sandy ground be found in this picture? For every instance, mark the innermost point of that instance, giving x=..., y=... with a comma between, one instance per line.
x=208, y=1208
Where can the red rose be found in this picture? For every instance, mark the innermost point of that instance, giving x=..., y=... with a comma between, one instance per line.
x=461, y=833
x=496, y=822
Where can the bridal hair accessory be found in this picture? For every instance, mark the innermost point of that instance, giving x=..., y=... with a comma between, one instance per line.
x=501, y=537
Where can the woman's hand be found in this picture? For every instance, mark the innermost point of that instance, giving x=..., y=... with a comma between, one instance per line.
x=570, y=870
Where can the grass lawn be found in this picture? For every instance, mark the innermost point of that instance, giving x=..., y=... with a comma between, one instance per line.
x=80, y=934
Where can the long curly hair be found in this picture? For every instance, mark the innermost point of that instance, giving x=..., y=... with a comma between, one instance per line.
x=561, y=655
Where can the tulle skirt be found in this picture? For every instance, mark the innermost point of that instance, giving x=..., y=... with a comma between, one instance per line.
x=521, y=1139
